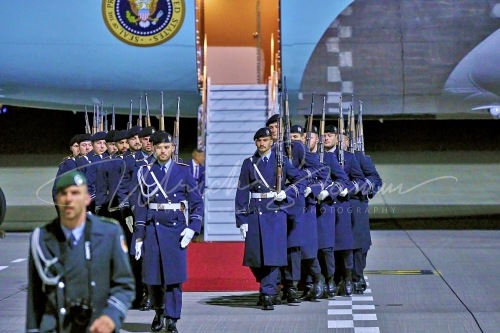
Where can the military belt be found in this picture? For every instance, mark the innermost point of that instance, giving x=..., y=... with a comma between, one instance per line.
x=265, y=195
x=165, y=206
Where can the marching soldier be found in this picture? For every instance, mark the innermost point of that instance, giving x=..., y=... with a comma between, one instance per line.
x=361, y=219
x=261, y=213
x=110, y=143
x=343, y=224
x=68, y=163
x=79, y=277
x=169, y=212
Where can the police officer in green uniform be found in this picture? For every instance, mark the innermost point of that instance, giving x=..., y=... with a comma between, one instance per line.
x=79, y=277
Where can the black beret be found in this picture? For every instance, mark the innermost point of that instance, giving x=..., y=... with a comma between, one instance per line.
x=133, y=131
x=98, y=136
x=120, y=135
x=160, y=137
x=83, y=137
x=70, y=178
x=331, y=129
x=314, y=129
x=146, y=131
x=273, y=119
x=74, y=139
x=110, y=136
x=261, y=132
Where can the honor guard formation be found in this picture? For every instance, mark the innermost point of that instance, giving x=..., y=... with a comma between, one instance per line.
x=301, y=206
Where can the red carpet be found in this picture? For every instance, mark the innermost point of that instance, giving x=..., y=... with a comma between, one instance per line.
x=217, y=267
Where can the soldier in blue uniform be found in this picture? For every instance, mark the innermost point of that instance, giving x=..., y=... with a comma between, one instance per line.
x=169, y=212
x=361, y=218
x=110, y=143
x=260, y=214
x=197, y=167
x=79, y=277
x=344, y=241
x=68, y=163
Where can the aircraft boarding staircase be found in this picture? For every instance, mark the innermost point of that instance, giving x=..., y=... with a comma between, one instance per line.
x=233, y=115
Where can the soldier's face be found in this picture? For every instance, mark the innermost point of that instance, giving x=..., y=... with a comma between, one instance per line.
x=75, y=149
x=122, y=146
x=147, y=147
x=99, y=146
x=134, y=143
x=297, y=137
x=72, y=202
x=85, y=147
x=274, y=131
x=111, y=148
x=263, y=144
x=346, y=142
x=164, y=151
x=330, y=140
x=314, y=141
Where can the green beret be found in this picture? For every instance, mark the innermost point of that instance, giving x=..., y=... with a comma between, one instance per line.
x=70, y=178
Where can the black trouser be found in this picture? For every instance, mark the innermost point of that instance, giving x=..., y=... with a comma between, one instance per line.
x=344, y=259
x=359, y=264
x=326, y=259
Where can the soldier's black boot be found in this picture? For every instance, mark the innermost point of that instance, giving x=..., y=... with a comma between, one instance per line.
x=307, y=288
x=267, y=302
x=363, y=283
x=330, y=288
x=291, y=293
x=340, y=288
x=171, y=325
x=348, y=283
x=157, y=323
x=146, y=303
x=319, y=286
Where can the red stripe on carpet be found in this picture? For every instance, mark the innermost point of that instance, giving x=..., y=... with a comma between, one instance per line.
x=218, y=267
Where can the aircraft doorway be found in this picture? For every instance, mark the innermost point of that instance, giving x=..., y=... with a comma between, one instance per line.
x=239, y=34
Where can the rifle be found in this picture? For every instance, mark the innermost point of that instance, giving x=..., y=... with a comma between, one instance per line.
x=87, y=124
x=176, y=131
x=321, y=148
x=351, y=127
x=148, y=119
x=94, y=121
x=162, y=116
x=101, y=118
x=129, y=124
x=340, y=129
x=113, y=127
x=286, y=120
x=279, y=156
x=359, y=130
x=106, y=121
x=310, y=124
x=139, y=120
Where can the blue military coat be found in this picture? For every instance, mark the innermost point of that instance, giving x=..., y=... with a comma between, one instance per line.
x=66, y=165
x=113, y=282
x=343, y=226
x=109, y=175
x=266, y=240
x=359, y=203
x=325, y=211
x=161, y=229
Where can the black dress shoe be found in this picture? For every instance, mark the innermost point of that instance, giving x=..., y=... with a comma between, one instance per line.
x=305, y=292
x=267, y=302
x=145, y=304
x=330, y=288
x=157, y=323
x=319, y=286
x=363, y=283
x=171, y=326
x=348, y=288
x=357, y=288
x=291, y=296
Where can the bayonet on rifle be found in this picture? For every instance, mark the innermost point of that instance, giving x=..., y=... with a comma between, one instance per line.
x=321, y=148
x=340, y=129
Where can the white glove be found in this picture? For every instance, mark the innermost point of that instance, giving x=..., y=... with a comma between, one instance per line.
x=187, y=234
x=138, y=249
x=343, y=193
x=307, y=191
x=129, y=220
x=280, y=196
x=323, y=195
x=244, y=230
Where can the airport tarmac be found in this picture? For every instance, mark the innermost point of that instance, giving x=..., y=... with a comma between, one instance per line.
x=419, y=281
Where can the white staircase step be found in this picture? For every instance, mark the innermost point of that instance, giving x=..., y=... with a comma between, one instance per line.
x=243, y=137
x=232, y=148
x=237, y=116
x=238, y=87
x=221, y=126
